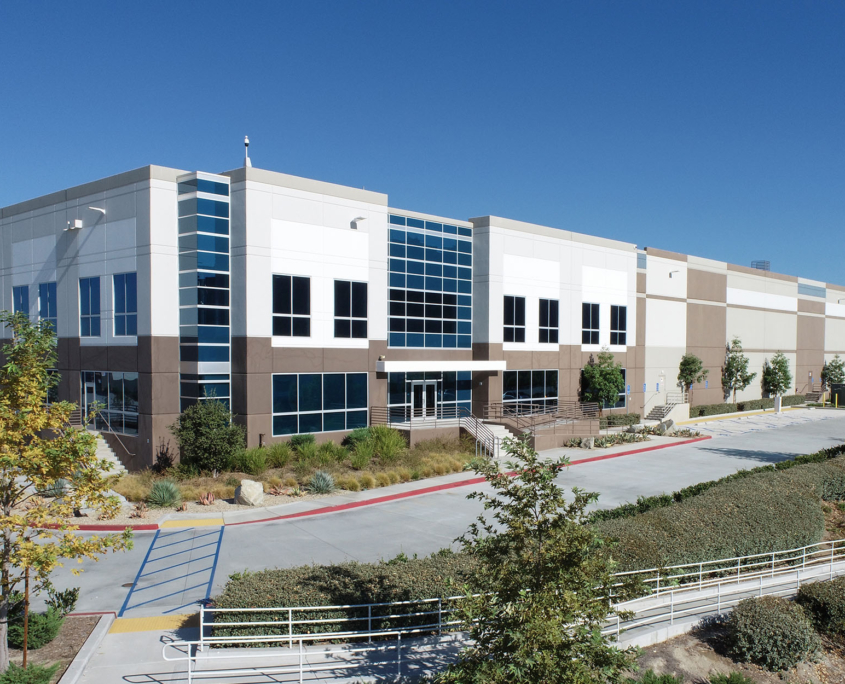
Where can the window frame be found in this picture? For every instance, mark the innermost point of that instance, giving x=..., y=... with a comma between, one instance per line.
x=549, y=333
x=618, y=332
x=127, y=318
x=289, y=317
x=363, y=420
x=24, y=300
x=91, y=316
x=513, y=329
x=354, y=324
x=51, y=300
x=589, y=334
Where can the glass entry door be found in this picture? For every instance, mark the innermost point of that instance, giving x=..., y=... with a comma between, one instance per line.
x=424, y=399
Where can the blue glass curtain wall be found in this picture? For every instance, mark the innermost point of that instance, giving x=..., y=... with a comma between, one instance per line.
x=204, y=295
x=430, y=284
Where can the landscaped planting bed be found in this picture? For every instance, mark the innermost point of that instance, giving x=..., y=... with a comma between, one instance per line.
x=750, y=405
x=370, y=458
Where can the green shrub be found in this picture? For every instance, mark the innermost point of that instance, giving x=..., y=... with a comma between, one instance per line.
x=388, y=444
x=279, y=454
x=306, y=454
x=772, y=632
x=329, y=452
x=649, y=677
x=824, y=602
x=361, y=434
x=250, y=461
x=362, y=454
x=440, y=575
x=207, y=435
x=43, y=628
x=619, y=419
x=748, y=405
x=63, y=602
x=164, y=494
x=732, y=678
x=33, y=674
x=755, y=514
x=57, y=489
x=297, y=441
x=321, y=483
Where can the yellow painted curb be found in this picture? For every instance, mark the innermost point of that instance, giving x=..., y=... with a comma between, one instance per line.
x=734, y=416
x=199, y=522
x=158, y=623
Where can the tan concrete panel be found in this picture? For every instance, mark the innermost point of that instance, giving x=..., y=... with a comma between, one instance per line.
x=345, y=360
x=808, y=306
x=517, y=360
x=706, y=286
x=706, y=325
x=123, y=358
x=810, y=333
x=94, y=358
x=834, y=335
x=641, y=282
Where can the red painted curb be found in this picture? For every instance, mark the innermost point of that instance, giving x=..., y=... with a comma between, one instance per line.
x=396, y=497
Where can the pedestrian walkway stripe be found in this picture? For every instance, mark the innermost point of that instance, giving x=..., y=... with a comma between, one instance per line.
x=175, y=575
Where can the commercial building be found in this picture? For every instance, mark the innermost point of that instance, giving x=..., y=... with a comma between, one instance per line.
x=314, y=307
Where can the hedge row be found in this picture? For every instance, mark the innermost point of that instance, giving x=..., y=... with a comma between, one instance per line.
x=619, y=419
x=756, y=514
x=750, y=405
x=440, y=575
x=649, y=503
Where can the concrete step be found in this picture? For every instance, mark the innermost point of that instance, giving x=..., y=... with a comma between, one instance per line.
x=104, y=451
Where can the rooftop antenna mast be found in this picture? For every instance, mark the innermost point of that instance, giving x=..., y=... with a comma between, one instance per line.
x=247, y=161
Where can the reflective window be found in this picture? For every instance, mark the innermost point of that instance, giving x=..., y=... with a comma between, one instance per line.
x=426, y=284
x=451, y=392
x=89, y=307
x=20, y=299
x=115, y=398
x=47, y=306
x=527, y=391
x=589, y=323
x=125, y=304
x=514, y=318
x=318, y=402
x=350, y=309
x=291, y=306
x=549, y=321
x=619, y=325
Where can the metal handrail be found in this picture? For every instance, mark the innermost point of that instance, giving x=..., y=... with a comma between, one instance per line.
x=112, y=432
x=526, y=416
x=404, y=416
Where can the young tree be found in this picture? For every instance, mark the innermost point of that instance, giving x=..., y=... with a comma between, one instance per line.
x=602, y=380
x=37, y=449
x=833, y=372
x=542, y=588
x=735, y=375
x=777, y=379
x=207, y=435
x=691, y=370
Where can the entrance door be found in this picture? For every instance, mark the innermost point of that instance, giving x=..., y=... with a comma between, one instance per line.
x=424, y=399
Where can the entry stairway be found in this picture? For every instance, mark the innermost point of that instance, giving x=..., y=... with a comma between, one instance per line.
x=104, y=451
x=672, y=400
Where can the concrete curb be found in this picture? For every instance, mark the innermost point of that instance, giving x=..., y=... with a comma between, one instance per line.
x=337, y=508
x=89, y=648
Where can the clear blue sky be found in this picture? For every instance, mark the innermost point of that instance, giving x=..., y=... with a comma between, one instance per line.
x=711, y=128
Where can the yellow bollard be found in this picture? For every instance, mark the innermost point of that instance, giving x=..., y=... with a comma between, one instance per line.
x=837, y=401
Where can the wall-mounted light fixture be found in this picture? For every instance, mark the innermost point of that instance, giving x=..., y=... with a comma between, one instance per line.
x=100, y=209
x=354, y=222
x=671, y=272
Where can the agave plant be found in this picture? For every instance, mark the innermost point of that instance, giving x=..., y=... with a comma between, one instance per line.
x=321, y=483
x=164, y=494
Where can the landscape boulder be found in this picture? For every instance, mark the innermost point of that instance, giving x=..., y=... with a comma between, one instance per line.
x=250, y=493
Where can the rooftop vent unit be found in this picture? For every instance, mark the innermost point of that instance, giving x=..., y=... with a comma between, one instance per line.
x=761, y=265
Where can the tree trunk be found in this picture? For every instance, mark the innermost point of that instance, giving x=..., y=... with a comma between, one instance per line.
x=5, y=590
x=25, y=613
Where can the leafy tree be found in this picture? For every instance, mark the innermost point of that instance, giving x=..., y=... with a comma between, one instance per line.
x=208, y=436
x=602, y=380
x=833, y=371
x=37, y=449
x=776, y=376
x=691, y=370
x=542, y=588
x=735, y=375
